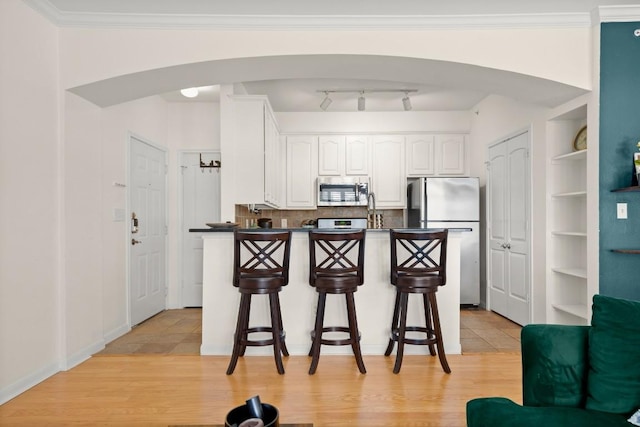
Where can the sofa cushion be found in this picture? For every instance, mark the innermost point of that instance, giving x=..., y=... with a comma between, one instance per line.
x=613, y=383
x=555, y=362
x=501, y=412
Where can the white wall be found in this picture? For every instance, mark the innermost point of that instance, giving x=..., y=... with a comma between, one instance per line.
x=90, y=55
x=374, y=122
x=82, y=229
x=494, y=119
x=29, y=200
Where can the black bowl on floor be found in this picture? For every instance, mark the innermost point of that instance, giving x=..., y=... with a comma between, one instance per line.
x=239, y=414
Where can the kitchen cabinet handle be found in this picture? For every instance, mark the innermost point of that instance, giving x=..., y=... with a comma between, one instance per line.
x=134, y=241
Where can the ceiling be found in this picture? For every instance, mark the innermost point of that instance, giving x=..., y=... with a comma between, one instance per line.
x=304, y=93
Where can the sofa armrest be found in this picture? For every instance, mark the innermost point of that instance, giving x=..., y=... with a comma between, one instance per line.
x=554, y=365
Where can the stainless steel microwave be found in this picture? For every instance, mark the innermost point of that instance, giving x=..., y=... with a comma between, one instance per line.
x=343, y=191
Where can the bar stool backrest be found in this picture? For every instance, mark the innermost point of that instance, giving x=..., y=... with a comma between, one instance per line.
x=419, y=252
x=261, y=255
x=336, y=253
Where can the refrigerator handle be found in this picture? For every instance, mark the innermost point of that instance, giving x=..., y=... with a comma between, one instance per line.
x=423, y=203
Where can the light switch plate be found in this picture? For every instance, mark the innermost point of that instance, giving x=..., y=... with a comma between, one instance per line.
x=622, y=210
x=118, y=214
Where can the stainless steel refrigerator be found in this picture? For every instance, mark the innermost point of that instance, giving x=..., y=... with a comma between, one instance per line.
x=452, y=203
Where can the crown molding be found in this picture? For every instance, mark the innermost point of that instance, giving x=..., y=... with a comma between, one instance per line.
x=307, y=22
x=615, y=14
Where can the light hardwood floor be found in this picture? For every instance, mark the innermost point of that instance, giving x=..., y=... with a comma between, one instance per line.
x=182, y=389
x=153, y=376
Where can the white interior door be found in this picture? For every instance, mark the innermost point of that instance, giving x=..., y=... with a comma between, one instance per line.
x=147, y=266
x=508, y=190
x=200, y=205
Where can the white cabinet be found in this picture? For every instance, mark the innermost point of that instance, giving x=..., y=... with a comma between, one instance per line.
x=570, y=288
x=451, y=155
x=421, y=155
x=256, y=143
x=331, y=155
x=302, y=171
x=388, y=171
x=343, y=155
x=273, y=162
x=357, y=156
x=436, y=155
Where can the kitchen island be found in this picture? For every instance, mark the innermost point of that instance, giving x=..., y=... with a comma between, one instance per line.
x=374, y=299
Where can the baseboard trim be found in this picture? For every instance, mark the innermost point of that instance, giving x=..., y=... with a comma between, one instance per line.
x=116, y=333
x=25, y=383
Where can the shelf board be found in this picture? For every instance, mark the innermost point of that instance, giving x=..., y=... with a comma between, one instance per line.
x=569, y=233
x=575, y=272
x=626, y=251
x=626, y=189
x=570, y=194
x=575, y=155
x=577, y=310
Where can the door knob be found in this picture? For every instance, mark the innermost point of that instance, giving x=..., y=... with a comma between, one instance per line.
x=134, y=241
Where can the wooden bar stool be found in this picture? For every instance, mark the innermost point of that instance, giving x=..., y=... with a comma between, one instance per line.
x=418, y=266
x=336, y=267
x=261, y=266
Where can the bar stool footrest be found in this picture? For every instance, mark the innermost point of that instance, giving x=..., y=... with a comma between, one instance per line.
x=335, y=341
x=259, y=343
x=429, y=340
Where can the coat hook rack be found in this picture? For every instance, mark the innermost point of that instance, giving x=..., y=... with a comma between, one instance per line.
x=211, y=164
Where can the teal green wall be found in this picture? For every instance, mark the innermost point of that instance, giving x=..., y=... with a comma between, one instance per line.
x=619, y=132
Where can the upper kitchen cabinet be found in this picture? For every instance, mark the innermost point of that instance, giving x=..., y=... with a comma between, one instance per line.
x=258, y=158
x=436, y=155
x=421, y=155
x=388, y=171
x=331, y=155
x=451, y=155
x=302, y=170
x=341, y=155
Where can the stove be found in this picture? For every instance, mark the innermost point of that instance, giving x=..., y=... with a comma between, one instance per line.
x=342, y=223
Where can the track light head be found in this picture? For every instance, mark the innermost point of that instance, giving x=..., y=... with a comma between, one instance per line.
x=326, y=102
x=361, y=102
x=406, y=102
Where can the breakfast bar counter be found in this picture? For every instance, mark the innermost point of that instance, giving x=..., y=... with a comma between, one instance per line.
x=374, y=299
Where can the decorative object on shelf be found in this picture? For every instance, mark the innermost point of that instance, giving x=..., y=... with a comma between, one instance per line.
x=580, y=141
x=212, y=164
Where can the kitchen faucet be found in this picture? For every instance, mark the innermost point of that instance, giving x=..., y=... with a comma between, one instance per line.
x=371, y=210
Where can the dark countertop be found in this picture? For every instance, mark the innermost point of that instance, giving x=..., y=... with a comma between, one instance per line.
x=230, y=229
x=298, y=229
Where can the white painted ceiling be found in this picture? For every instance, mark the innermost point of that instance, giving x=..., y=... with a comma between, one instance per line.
x=444, y=90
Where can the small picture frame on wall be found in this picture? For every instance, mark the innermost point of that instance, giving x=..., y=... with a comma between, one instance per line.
x=580, y=141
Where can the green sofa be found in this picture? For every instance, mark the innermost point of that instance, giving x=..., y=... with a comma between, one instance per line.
x=584, y=376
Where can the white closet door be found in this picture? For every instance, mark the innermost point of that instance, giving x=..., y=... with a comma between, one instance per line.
x=200, y=205
x=508, y=211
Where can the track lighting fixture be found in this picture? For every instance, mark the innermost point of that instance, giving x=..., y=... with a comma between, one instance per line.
x=361, y=101
x=406, y=101
x=325, y=102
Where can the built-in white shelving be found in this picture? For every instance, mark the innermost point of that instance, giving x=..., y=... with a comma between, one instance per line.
x=569, y=287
